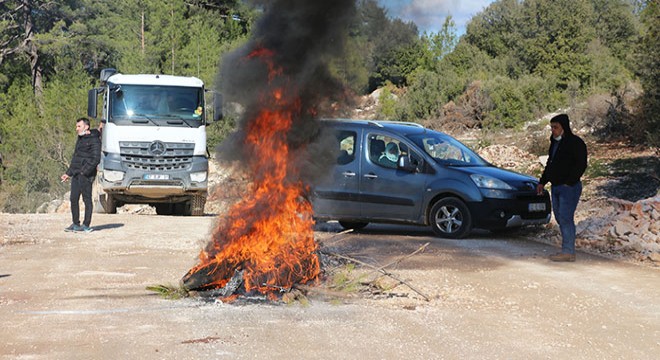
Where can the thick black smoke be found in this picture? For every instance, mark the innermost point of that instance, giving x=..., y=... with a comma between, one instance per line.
x=304, y=35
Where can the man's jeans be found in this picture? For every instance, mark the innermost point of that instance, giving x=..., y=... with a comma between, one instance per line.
x=564, y=202
x=81, y=185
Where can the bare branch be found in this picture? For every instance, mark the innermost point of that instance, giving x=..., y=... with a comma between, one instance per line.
x=381, y=269
x=332, y=238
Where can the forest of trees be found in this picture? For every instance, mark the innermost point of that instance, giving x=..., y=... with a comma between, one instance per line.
x=517, y=59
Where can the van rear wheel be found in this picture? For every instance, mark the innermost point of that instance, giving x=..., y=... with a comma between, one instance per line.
x=450, y=218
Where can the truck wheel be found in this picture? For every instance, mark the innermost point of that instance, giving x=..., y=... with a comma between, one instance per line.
x=110, y=204
x=181, y=209
x=99, y=203
x=450, y=218
x=163, y=209
x=355, y=225
x=197, y=205
x=98, y=197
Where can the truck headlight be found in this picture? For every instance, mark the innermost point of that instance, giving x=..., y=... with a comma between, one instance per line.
x=113, y=176
x=487, y=182
x=198, y=176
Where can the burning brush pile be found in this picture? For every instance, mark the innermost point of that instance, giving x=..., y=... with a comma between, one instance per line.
x=265, y=243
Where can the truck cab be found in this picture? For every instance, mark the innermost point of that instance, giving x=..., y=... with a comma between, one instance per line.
x=153, y=142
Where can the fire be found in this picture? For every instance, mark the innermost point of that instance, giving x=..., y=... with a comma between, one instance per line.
x=269, y=234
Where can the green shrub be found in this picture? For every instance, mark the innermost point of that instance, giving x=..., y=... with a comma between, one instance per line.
x=388, y=103
x=428, y=92
x=510, y=108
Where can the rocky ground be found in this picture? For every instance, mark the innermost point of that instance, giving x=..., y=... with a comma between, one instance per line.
x=85, y=296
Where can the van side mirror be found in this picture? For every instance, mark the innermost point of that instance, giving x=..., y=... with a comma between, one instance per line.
x=217, y=106
x=91, y=103
x=405, y=164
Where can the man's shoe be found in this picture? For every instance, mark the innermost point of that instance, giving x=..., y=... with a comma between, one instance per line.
x=86, y=229
x=74, y=228
x=562, y=257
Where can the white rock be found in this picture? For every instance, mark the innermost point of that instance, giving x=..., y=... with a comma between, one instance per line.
x=622, y=228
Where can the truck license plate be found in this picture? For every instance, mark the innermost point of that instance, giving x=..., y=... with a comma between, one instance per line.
x=536, y=207
x=156, y=177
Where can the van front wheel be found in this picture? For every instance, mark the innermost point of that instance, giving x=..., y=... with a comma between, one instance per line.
x=450, y=218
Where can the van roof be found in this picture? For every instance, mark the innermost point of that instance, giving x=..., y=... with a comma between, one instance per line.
x=395, y=126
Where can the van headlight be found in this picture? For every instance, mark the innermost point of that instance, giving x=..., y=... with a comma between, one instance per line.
x=113, y=176
x=487, y=182
x=198, y=176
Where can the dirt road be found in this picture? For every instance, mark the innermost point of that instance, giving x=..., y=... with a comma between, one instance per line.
x=82, y=296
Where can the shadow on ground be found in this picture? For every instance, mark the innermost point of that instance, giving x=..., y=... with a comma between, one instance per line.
x=633, y=179
x=107, y=227
x=380, y=244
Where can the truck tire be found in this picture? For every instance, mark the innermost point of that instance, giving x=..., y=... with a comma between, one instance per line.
x=450, y=218
x=164, y=209
x=181, y=209
x=110, y=205
x=98, y=198
x=197, y=204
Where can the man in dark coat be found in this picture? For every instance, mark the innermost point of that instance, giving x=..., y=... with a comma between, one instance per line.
x=567, y=161
x=82, y=172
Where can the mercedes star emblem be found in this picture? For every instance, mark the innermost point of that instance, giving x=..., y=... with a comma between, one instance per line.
x=157, y=148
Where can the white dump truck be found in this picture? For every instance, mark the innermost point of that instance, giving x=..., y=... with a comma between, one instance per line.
x=153, y=142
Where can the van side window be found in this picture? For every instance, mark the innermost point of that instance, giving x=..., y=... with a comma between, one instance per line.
x=346, y=147
x=416, y=160
x=384, y=150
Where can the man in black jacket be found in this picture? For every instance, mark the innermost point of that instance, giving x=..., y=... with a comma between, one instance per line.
x=82, y=172
x=567, y=161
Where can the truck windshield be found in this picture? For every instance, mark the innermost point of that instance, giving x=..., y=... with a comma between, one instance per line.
x=446, y=150
x=156, y=105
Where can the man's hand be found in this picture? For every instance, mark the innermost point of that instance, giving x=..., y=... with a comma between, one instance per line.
x=64, y=177
x=539, y=189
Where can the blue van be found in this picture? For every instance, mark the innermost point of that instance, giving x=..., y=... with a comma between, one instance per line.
x=396, y=172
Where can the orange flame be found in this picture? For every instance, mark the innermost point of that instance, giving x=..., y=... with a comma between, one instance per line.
x=269, y=234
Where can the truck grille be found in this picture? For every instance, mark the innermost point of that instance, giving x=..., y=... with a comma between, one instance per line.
x=157, y=183
x=156, y=155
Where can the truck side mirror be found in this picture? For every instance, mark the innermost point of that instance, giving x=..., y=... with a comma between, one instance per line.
x=217, y=106
x=91, y=103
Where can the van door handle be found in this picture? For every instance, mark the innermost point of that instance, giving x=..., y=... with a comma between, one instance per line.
x=348, y=174
x=371, y=176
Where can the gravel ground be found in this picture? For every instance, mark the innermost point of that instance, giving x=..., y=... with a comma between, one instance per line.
x=83, y=296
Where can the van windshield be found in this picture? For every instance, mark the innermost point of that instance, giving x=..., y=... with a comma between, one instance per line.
x=156, y=105
x=446, y=150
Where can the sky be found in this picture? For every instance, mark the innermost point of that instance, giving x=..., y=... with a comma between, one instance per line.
x=430, y=14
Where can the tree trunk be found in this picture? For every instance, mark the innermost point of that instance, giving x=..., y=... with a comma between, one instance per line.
x=31, y=49
x=142, y=34
x=173, y=39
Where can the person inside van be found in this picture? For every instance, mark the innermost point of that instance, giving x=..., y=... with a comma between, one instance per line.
x=390, y=156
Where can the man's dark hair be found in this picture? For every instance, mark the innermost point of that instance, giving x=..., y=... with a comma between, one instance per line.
x=83, y=119
x=564, y=121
